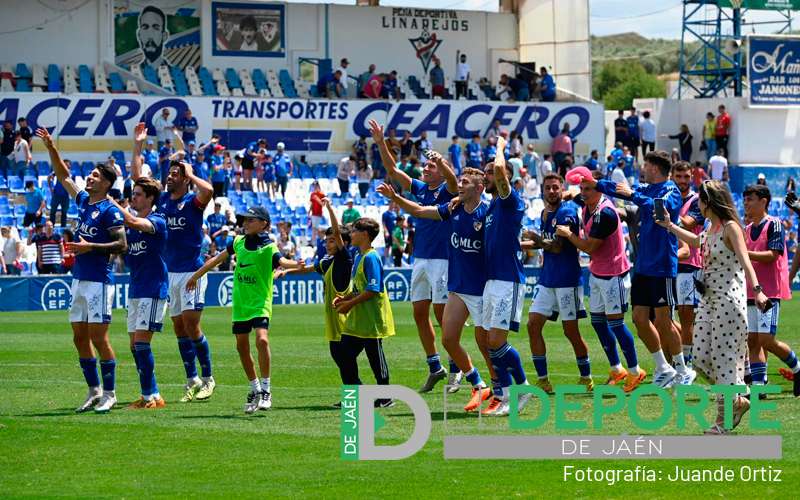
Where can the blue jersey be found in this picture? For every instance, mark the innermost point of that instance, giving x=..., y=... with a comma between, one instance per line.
x=282, y=164
x=183, y=124
x=658, y=248
x=466, y=264
x=373, y=271
x=145, y=259
x=633, y=126
x=95, y=221
x=455, y=156
x=430, y=240
x=501, y=239
x=215, y=222
x=616, y=155
x=628, y=165
x=563, y=269
x=184, y=232
x=490, y=152
x=474, y=155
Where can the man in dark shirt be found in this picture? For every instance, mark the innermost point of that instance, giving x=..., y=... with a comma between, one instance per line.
x=621, y=128
x=6, y=148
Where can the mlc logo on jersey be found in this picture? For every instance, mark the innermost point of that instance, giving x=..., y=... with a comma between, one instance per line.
x=425, y=45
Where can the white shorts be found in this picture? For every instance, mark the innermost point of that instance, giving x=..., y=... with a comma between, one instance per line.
x=474, y=305
x=503, y=302
x=91, y=302
x=315, y=221
x=550, y=302
x=609, y=296
x=146, y=314
x=687, y=292
x=179, y=299
x=758, y=322
x=429, y=280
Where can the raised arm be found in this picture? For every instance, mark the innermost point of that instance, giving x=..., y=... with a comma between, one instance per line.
x=337, y=232
x=179, y=145
x=415, y=209
x=446, y=171
x=388, y=158
x=139, y=136
x=138, y=223
x=59, y=167
x=501, y=181
x=210, y=264
x=205, y=191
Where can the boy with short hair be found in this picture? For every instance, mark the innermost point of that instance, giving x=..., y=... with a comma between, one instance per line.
x=257, y=256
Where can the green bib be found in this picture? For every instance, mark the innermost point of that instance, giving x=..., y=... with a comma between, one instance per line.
x=252, y=281
x=371, y=319
x=334, y=322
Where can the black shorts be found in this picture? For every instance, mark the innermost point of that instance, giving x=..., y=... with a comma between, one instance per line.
x=247, y=163
x=244, y=327
x=652, y=291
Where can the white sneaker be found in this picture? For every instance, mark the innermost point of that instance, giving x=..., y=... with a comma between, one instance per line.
x=502, y=410
x=206, y=390
x=92, y=398
x=523, y=400
x=687, y=377
x=454, y=380
x=190, y=390
x=264, y=400
x=107, y=401
x=665, y=379
x=252, y=402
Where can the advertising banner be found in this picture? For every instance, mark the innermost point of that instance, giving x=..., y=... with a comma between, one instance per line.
x=773, y=70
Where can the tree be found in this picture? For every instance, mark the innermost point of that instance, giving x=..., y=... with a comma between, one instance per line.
x=619, y=83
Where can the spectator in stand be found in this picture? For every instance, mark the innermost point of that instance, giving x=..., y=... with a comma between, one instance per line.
x=252, y=155
x=516, y=89
x=561, y=147
x=718, y=166
x=119, y=184
x=547, y=86
x=406, y=145
x=219, y=175
x=593, y=162
x=437, y=78
x=393, y=142
x=648, y=130
x=49, y=249
x=163, y=125
x=216, y=220
x=390, y=90
x=684, y=138
x=223, y=240
x=205, y=244
x=342, y=69
x=35, y=204
x=350, y=214
x=363, y=80
x=389, y=219
x=791, y=185
x=316, y=205
x=515, y=162
x=7, y=147
x=547, y=165
x=150, y=155
x=532, y=163
x=475, y=152
x=164, y=155
x=490, y=151
x=617, y=153
x=373, y=88
x=412, y=168
x=621, y=128
x=347, y=168
x=514, y=147
x=634, y=136
x=360, y=148
x=69, y=256
x=363, y=177
x=710, y=135
x=25, y=130
x=22, y=154
x=462, y=78
x=286, y=243
x=761, y=180
x=494, y=130
x=60, y=198
x=187, y=124
x=12, y=250
x=421, y=145
x=722, y=131
x=283, y=168
x=377, y=162
x=330, y=85
x=698, y=174
x=398, y=241
x=630, y=164
x=201, y=165
x=454, y=152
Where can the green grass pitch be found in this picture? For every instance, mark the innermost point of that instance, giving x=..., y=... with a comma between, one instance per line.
x=213, y=449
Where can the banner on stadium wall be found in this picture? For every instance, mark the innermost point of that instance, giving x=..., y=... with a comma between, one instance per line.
x=148, y=34
x=99, y=123
x=48, y=293
x=773, y=70
x=248, y=29
x=761, y=4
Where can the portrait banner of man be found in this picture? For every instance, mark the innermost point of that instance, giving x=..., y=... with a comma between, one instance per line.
x=250, y=30
x=149, y=35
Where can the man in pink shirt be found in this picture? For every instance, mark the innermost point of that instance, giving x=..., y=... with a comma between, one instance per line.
x=609, y=282
x=561, y=146
x=374, y=87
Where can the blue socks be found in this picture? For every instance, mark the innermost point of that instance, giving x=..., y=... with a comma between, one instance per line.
x=89, y=367
x=434, y=363
x=758, y=371
x=145, y=363
x=507, y=359
x=584, y=367
x=540, y=363
x=607, y=340
x=188, y=356
x=625, y=339
x=454, y=367
x=108, y=369
x=791, y=362
x=473, y=377
x=203, y=355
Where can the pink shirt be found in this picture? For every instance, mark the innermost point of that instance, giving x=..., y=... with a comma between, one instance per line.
x=561, y=144
x=773, y=276
x=609, y=259
x=371, y=90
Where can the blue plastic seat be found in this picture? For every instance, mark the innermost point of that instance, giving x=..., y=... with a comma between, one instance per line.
x=117, y=85
x=22, y=71
x=54, y=79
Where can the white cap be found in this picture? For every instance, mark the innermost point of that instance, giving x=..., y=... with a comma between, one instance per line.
x=225, y=228
x=762, y=176
x=281, y=145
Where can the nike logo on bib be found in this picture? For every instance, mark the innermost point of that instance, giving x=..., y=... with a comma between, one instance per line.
x=245, y=265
